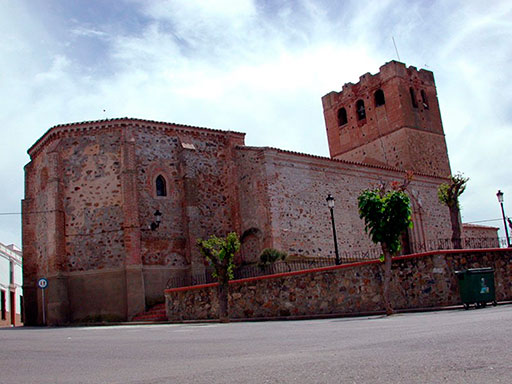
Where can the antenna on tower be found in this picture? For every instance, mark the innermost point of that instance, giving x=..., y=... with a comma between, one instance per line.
x=396, y=49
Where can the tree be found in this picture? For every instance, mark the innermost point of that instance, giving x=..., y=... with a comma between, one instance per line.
x=448, y=194
x=386, y=216
x=220, y=252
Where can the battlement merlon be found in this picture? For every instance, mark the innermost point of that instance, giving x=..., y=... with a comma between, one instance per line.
x=386, y=72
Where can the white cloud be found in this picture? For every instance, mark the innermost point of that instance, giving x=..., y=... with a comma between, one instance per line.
x=87, y=32
x=257, y=67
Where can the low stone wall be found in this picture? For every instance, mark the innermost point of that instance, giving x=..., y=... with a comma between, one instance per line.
x=418, y=281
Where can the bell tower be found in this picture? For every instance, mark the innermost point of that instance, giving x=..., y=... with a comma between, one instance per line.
x=391, y=119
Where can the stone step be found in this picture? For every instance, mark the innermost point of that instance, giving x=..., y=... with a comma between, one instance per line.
x=149, y=318
x=156, y=313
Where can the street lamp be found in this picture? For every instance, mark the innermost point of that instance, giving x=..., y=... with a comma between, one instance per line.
x=500, y=200
x=158, y=218
x=330, y=204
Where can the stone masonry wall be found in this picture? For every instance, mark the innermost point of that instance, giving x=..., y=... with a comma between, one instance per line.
x=283, y=195
x=90, y=198
x=419, y=281
x=158, y=154
x=255, y=231
x=400, y=146
x=43, y=240
x=73, y=221
x=93, y=201
x=480, y=232
x=200, y=201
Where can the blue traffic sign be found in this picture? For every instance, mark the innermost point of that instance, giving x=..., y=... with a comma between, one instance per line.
x=42, y=283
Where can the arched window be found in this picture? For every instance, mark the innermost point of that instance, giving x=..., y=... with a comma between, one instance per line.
x=413, y=98
x=161, y=189
x=379, y=98
x=424, y=99
x=361, y=113
x=342, y=116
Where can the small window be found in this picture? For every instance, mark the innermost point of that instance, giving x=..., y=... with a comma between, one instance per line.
x=161, y=189
x=413, y=98
x=379, y=98
x=342, y=116
x=424, y=99
x=361, y=112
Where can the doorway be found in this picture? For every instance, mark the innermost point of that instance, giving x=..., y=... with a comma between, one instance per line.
x=13, y=307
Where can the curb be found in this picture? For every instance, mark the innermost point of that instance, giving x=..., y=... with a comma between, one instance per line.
x=276, y=318
x=333, y=315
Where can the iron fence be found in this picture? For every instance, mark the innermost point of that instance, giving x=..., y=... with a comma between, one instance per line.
x=466, y=243
x=185, y=278
x=281, y=267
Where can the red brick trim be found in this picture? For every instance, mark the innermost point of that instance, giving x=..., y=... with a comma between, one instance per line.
x=181, y=289
x=158, y=169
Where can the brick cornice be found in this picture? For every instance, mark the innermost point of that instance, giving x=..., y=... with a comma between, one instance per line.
x=69, y=129
x=333, y=162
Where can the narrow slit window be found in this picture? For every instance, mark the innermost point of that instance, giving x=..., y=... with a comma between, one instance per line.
x=424, y=99
x=161, y=188
x=11, y=272
x=413, y=98
x=361, y=112
x=342, y=117
x=379, y=98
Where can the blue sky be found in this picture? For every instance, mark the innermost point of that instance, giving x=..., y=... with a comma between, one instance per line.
x=255, y=67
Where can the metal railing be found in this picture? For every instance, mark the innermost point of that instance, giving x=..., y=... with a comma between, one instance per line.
x=467, y=243
x=281, y=267
x=246, y=271
x=184, y=278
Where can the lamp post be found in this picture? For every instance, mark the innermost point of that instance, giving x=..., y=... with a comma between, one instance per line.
x=330, y=204
x=500, y=200
x=158, y=217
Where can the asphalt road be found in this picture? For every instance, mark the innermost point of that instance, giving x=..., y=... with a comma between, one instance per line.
x=453, y=346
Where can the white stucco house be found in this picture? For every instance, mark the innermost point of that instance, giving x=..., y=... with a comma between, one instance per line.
x=11, y=282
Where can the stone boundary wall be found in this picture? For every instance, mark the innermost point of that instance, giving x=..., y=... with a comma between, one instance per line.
x=418, y=281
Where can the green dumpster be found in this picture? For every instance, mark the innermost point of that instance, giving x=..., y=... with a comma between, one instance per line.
x=476, y=286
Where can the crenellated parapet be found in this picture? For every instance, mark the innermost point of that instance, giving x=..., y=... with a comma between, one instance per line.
x=391, y=118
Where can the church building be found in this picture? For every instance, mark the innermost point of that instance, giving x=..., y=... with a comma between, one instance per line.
x=113, y=208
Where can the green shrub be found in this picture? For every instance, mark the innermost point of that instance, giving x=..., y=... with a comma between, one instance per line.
x=270, y=255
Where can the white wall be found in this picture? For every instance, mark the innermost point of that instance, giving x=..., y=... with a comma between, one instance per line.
x=6, y=255
x=4, y=272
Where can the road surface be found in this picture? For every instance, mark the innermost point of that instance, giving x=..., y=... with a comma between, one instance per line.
x=453, y=346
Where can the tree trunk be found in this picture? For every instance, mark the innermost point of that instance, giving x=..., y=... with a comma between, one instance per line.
x=223, y=303
x=386, y=280
x=222, y=294
x=456, y=232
